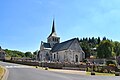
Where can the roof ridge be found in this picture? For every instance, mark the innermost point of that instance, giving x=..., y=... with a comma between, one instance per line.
x=68, y=40
x=72, y=42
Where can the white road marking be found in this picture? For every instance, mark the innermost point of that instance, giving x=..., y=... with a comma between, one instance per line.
x=18, y=66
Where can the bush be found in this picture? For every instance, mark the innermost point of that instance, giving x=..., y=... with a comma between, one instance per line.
x=117, y=74
x=105, y=71
x=92, y=73
x=110, y=63
x=46, y=68
x=88, y=69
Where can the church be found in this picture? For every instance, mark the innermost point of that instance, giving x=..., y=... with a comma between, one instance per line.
x=53, y=50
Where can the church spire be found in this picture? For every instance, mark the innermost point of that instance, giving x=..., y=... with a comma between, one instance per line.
x=53, y=38
x=53, y=33
x=53, y=27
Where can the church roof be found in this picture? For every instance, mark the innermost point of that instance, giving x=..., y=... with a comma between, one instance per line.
x=62, y=46
x=46, y=45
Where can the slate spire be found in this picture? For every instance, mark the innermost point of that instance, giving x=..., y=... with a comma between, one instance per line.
x=53, y=26
x=53, y=33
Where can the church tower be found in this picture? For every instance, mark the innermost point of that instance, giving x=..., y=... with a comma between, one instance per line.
x=52, y=38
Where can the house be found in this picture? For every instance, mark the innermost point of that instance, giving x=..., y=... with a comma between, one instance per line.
x=2, y=54
x=67, y=51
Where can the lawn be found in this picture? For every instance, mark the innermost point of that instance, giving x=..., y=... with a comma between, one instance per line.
x=101, y=74
x=1, y=72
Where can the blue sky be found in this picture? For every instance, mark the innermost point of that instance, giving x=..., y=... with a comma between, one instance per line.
x=25, y=23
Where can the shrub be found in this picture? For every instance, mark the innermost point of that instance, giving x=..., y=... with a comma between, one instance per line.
x=112, y=65
x=110, y=62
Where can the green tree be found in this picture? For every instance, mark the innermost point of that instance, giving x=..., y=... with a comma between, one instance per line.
x=14, y=53
x=86, y=48
x=104, y=38
x=28, y=54
x=104, y=49
x=98, y=40
x=117, y=48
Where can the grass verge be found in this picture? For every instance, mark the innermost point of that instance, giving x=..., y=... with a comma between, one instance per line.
x=1, y=72
x=101, y=74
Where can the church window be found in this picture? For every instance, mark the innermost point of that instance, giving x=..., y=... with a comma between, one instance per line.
x=57, y=56
x=53, y=39
x=54, y=56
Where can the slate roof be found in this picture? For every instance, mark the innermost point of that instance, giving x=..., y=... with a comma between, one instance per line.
x=62, y=46
x=46, y=45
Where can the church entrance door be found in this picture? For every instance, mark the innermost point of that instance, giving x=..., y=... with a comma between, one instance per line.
x=76, y=58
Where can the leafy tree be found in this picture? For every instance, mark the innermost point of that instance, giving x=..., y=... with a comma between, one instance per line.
x=86, y=49
x=89, y=40
x=35, y=53
x=104, y=38
x=117, y=48
x=14, y=53
x=104, y=49
x=98, y=40
x=28, y=54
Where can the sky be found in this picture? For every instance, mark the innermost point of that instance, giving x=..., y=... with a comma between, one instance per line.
x=25, y=23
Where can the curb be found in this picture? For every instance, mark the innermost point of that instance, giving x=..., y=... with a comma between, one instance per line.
x=5, y=75
x=69, y=71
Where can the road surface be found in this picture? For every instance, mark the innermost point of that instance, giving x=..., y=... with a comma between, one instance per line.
x=22, y=72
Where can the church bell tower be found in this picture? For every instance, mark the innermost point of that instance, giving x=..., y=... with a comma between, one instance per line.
x=53, y=38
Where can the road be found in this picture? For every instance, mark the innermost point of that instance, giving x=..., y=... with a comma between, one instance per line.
x=22, y=72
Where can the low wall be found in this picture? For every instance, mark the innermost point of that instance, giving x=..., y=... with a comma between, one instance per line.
x=45, y=64
x=23, y=62
x=60, y=65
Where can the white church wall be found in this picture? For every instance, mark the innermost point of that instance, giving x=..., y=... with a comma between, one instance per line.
x=42, y=54
x=67, y=55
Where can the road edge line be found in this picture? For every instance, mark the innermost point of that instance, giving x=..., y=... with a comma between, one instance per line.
x=6, y=73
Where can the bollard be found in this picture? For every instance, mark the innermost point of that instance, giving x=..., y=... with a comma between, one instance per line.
x=92, y=73
x=46, y=68
x=117, y=73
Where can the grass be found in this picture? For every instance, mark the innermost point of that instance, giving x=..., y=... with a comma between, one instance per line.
x=87, y=73
x=1, y=72
x=101, y=74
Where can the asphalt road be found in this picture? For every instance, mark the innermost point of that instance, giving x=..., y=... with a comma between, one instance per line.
x=22, y=72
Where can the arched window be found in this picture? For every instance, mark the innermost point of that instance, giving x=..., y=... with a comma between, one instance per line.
x=54, y=56
x=76, y=58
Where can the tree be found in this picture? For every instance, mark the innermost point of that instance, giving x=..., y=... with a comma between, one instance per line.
x=93, y=39
x=28, y=54
x=14, y=53
x=86, y=48
x=117, y=48
x=104, y=49
x=98, y=40
x=104, y=38
x=35, y=53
